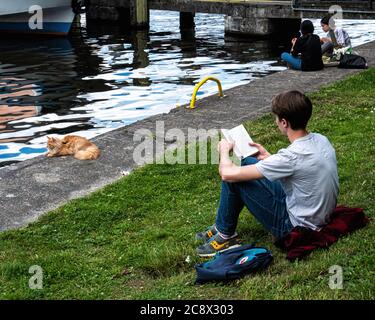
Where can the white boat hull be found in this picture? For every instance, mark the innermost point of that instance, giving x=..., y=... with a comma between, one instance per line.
x=55, y=17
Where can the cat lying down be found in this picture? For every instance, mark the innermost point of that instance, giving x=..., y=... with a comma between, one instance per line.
x=79, y=147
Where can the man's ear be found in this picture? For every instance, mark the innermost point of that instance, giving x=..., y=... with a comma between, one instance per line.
x=284, y=123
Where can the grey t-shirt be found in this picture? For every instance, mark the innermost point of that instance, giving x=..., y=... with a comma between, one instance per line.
x=342, y=37
x=307, y=170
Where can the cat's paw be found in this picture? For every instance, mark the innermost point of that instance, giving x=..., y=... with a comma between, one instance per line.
x=48, y=155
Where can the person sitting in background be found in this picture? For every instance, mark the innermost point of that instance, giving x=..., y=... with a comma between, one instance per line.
x=336, y=38
x=306, y=52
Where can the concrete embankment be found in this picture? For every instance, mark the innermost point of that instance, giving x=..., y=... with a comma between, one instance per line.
x=31, y=188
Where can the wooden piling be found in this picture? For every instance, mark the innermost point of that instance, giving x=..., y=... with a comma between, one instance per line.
x=187, y=20
x=139, y=14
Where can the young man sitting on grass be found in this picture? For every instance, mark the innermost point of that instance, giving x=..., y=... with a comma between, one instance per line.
x=297, y=186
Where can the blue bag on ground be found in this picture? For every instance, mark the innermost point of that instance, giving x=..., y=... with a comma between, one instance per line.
x=233, y=264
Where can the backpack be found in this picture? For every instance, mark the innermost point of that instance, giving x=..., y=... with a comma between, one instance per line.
x=233, y=264
x=352, y=61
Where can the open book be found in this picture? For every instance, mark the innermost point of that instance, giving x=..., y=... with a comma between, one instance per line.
x=241, y=140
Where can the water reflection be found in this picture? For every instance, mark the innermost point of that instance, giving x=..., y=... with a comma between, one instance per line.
x=104, y=76
x=13, y=107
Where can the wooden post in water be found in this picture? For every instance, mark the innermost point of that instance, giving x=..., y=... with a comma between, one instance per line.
x=139, y=14
x=187, y=26
x=187, y=20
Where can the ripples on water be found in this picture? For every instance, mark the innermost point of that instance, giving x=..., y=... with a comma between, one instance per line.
x=98, y=80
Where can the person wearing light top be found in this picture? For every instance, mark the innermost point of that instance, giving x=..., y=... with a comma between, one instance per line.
x=336, y=38
x=297, y=186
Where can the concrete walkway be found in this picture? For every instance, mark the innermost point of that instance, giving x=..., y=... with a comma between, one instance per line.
x=33, y=187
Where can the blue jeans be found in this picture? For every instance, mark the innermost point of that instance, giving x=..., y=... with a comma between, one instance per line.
x=294, y=62
x=263, y=198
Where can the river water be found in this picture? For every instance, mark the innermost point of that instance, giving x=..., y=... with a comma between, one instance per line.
x=99, y=79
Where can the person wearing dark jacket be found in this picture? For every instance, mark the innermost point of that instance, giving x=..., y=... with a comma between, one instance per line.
x=306, y=53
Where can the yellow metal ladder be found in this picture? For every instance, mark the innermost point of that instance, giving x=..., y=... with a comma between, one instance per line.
x=194, y=96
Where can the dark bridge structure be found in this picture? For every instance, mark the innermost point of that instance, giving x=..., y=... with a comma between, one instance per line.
x=357, y=8
x=249, y=17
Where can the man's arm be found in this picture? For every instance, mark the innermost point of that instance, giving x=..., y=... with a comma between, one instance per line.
x=232, y=173
x=296, y=48
x=325, y=39
x=340, y=37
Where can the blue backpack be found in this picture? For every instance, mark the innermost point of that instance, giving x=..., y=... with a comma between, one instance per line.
x=233, y=264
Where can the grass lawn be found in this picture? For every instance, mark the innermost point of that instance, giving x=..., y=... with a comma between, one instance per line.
x=131, y=239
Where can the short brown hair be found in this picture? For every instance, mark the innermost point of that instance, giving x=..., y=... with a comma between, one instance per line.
x=294, y=107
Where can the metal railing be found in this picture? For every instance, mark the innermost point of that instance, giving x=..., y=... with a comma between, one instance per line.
x=194, y=95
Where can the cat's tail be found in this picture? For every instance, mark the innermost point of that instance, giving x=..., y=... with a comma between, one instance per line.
x=90, y=153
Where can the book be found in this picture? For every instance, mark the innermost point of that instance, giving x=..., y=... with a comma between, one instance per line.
x=241, y=139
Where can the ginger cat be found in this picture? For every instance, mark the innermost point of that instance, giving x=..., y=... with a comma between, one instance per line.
x=79, y=147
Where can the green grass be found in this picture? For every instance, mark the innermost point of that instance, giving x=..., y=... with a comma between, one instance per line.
x=131, y=239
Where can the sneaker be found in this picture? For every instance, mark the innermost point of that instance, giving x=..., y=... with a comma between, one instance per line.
x=330, y=61
x=207, y=234
x=217, y=244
